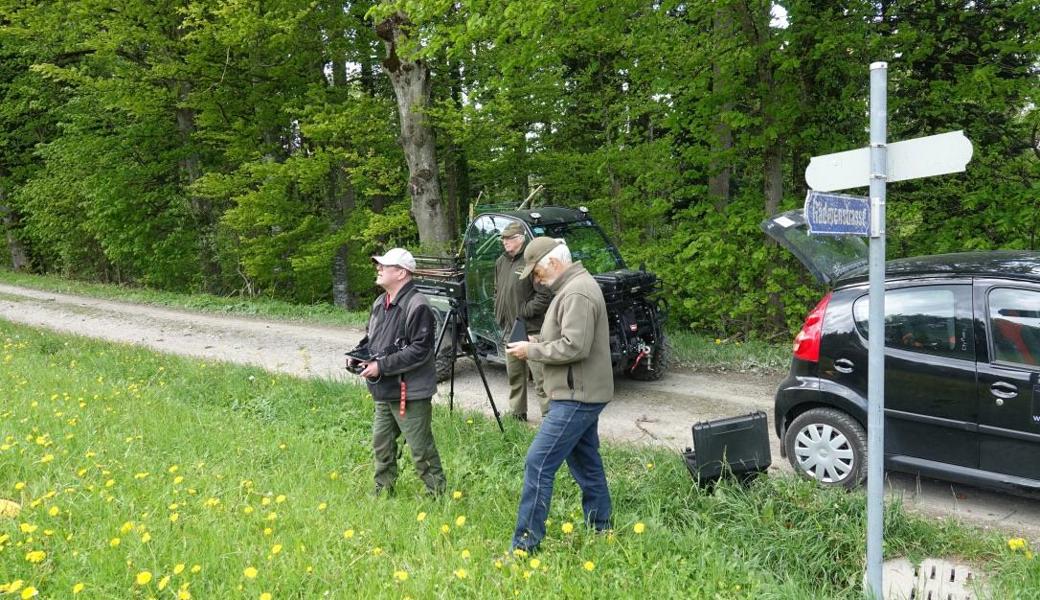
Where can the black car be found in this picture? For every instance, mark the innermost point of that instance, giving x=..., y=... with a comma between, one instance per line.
x=962, y=361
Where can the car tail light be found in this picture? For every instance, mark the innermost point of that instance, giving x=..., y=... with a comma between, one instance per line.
x=807, y=342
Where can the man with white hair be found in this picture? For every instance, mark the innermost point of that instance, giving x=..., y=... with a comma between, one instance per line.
x=401, y=374
x=574, y=348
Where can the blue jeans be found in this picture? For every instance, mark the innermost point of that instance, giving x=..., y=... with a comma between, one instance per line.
x=569, y=432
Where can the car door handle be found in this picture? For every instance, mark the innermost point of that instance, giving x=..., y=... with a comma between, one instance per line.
x=843, y=365
x=1003, y=389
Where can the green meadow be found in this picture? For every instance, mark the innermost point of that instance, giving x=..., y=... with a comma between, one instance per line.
x=141, y=475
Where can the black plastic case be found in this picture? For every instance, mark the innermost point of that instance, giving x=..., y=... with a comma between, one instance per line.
x=734, y=445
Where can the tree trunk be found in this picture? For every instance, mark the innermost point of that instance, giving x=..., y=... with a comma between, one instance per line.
x=719, y=170
x=412, y=87
x=343, y=198
x=19, y=257
x=201, y=208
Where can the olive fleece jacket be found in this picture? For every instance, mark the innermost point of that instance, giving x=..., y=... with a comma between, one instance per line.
x=574, y=344
x=515, y=297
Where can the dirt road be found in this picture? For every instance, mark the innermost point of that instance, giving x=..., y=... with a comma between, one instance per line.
x=658, y=413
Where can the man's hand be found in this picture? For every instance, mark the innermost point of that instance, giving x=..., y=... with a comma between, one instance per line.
x=371, y=370
x=518, y=349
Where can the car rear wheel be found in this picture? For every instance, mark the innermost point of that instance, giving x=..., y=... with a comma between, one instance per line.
x=829, y=446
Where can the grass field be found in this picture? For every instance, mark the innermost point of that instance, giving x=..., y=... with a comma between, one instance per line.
x=141, y=475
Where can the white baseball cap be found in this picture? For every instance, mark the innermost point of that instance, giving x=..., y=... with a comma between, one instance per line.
x=397, y=257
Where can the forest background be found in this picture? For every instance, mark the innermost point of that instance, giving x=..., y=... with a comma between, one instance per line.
x=268, y=147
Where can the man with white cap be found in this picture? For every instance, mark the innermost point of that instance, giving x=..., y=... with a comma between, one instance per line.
x=401, y=374
x=574, y=348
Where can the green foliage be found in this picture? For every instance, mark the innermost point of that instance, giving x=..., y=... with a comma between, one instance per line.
x=253, y=149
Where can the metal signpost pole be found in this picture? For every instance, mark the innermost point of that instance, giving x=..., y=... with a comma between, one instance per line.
x=876, y=360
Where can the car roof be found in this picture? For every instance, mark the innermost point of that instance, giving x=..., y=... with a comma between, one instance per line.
x=547, y=215
x=1010, y=264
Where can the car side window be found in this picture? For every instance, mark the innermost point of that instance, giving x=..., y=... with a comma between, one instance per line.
x=929, y=319
x=1014, y=325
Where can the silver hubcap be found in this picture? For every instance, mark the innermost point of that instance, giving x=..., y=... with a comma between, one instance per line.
x=824, y=453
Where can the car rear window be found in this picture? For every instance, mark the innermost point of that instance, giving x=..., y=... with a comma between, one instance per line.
x=1014, y=324
x=928, y=319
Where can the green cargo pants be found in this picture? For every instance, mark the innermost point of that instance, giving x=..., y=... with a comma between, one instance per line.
x=516, y=373
x=388, y=425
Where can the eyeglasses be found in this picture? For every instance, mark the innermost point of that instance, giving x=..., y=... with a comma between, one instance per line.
x=512, y=237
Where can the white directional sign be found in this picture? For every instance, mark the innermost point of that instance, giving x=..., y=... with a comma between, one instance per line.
x=909, y=159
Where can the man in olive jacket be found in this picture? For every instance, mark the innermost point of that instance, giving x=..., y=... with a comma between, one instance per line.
x=522, y=298
x=402, y=378
x=574, y=347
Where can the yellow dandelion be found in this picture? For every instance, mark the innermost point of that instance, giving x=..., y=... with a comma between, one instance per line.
x=461, y=573
x=174, y=517
x=465, y=554
x=268, y=531
x=280, y=498
x=589, y=566
x=420, y=517
x=1016, y=544
x=183, y=594
x=54, y=511
x=126, y=527
x=78, y=588
x=177, y=481
x=445, y=528
x=265, y=596
x=172, y=469
x=110, y=483
x=196, y=568
x=456, y=495
x=114, y=542
x=639, y=528
x=377, y=551
x=401, y=575
x=143, y=578
x=47, y=458
x=460, y=520
x=29, y=592
x=567, y=527
x=250, y=572
x=276, y=549
x=333, y=475
x=322, y=506
x=498, y=564
x=27, y=528
x=265, y=500
x=348, y=534
x=146, y=537
x=163, y=583
x=36, y=556
x=12, y=587
x=519, y=552
x=535, y=563
x=177, y=570
x=20, y=485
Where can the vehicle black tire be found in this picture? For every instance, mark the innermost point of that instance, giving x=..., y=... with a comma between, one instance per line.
x=660, y=360
x=829, y=446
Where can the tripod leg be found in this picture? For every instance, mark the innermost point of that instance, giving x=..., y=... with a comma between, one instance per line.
x=454, y=315
x=483, y=378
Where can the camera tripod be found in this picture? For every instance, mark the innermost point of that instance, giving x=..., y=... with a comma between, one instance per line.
x=456, y=318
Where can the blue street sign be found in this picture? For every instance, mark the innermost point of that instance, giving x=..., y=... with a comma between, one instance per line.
x=837, y=214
